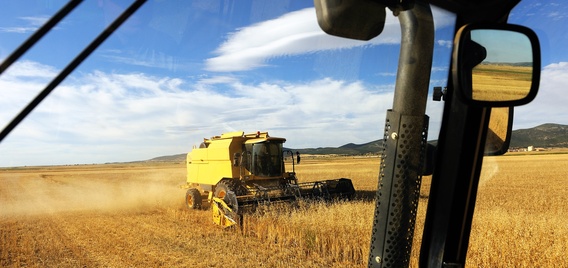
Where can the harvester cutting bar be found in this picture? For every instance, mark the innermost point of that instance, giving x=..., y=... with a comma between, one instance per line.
x=267, y=195
x=326, y=190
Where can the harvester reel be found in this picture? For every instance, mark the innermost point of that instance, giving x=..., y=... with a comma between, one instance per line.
x=222, y=213
x=231, y=200
x=224, y=191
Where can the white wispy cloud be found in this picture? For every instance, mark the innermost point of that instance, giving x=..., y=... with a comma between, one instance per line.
x=292, y=34
x=555, y=15
x=105, y=117
x=440, y=69
x=17, y=29
x=36, y=21
x=32, y=24
x=30, y=69
x=445, y=43
x=387, y=74
x=99, y=116
x=549, y=105
x=14, y=94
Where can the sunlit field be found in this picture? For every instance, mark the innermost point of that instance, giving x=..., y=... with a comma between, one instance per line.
x=491, y=82
x=133, y=215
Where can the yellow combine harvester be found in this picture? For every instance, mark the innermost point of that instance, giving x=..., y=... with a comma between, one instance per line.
x=237, y=170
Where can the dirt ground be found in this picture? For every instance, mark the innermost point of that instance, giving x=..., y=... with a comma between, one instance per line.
x=133, y=215
x=117, y=216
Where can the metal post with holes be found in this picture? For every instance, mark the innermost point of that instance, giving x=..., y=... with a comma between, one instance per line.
x=404, y=143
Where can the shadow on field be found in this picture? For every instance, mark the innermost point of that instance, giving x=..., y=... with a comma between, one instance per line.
x=368, y=195
x=365, y=195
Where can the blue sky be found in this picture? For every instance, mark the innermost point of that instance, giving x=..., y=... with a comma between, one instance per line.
x=504, y=46
x=179, y=71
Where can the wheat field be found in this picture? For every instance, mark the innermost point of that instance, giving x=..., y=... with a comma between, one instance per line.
x=133, y=215
x=492, y=82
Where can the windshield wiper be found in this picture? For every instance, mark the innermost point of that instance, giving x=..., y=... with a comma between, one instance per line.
x=72, y=65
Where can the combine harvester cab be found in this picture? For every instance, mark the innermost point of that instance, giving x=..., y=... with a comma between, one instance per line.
x=235, y=172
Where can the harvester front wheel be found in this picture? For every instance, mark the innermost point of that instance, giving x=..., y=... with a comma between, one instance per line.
x=193, y=199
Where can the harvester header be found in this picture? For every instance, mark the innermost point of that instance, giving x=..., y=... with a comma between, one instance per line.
x=235, y=171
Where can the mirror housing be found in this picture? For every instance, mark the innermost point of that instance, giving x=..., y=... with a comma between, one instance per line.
x=354, y=19
x=496, y=65
x=499, y=131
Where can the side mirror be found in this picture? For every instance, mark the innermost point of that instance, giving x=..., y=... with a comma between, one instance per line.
x=499, y=131
x=496, y=65
x=355, y=19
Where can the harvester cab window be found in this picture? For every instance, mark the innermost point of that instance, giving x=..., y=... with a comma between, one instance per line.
x=267, y=159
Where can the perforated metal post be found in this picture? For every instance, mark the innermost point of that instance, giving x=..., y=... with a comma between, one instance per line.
x=404, y=144
x=399, y=189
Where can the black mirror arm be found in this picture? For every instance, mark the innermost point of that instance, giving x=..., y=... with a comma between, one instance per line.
x=454, y=184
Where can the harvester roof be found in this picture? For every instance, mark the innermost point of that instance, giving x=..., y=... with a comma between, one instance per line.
x=249, y=137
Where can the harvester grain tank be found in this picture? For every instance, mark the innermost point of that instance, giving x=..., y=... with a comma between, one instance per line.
x=237, y=171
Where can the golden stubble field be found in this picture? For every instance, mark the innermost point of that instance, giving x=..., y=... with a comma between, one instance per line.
x=132, y=215
x=491, y=82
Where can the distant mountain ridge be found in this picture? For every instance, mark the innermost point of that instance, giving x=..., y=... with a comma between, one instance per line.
x=372, y=147
x=546, y=135
x=518, y=64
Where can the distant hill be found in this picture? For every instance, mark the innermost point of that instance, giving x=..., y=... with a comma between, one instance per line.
x=373, y=147
x=170, y=158
x=348, y=149
x=546, y=136
x=519, y=64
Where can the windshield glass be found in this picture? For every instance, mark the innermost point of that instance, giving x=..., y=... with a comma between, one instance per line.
x=178, y=71
x=267, y=159
x=550, y=105
x=522, y=200
x=105, y=152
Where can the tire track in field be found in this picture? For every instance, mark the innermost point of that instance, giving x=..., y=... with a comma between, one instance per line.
x=37, y=242
x=186, y=242
x=104, y=238
x=129, y=239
